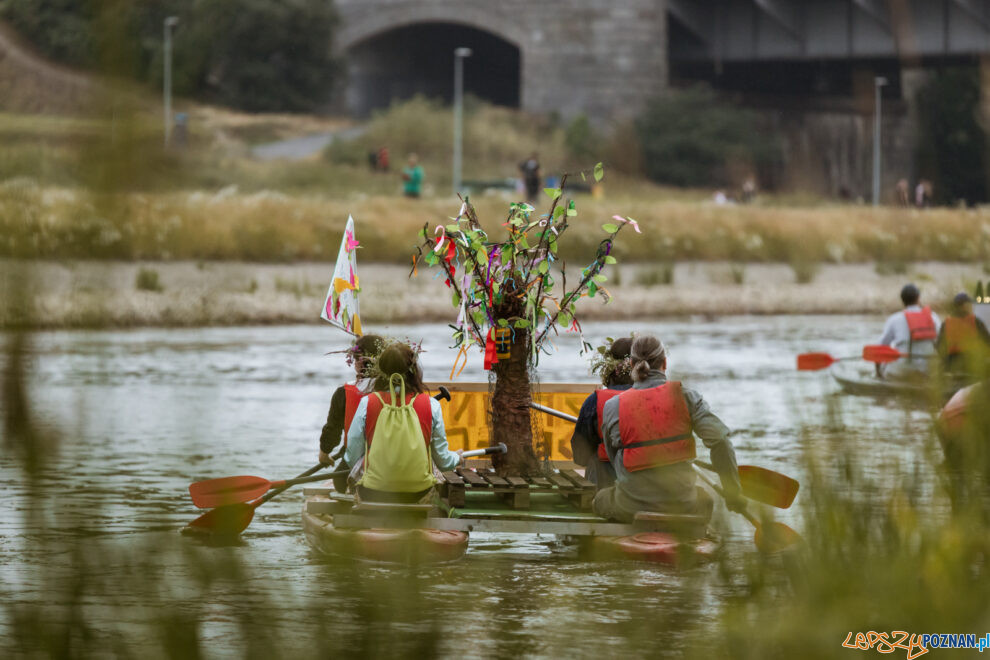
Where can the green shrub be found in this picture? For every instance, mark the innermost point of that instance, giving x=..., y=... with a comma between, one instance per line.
x=255, y=55
x=952, y=144
x=692, y=138
x=147, y=280
x=805, y=270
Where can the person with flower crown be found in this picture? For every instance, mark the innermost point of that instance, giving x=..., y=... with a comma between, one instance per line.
x=649, y=435
x=613, y=366
x=344, y=402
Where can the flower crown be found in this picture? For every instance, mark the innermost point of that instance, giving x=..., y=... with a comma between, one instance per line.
x=608, y=366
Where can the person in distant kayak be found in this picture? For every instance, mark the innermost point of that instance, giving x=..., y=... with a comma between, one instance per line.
x=412, y=177
x=963, y=340
x=397, y=438
x=344, y=402
x=614, y=367
x=912, y=331
x=649, y=433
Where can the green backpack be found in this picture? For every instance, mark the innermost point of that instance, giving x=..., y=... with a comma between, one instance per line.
x=397, y=459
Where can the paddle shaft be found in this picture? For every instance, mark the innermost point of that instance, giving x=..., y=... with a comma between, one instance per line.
x=289, y=483
x=718, y=489
x=272, y=493
x=553, y=413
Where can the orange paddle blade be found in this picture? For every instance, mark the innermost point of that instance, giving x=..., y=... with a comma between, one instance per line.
x=881, y=354
x=228, y=520
x=228, y=490
x=775, y=537
x=767, y=486
x=814, y=361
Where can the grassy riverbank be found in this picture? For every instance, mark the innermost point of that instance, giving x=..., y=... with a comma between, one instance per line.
x=54, y=222
x=69, y=294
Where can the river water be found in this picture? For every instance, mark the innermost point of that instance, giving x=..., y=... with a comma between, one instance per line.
x=132, y=417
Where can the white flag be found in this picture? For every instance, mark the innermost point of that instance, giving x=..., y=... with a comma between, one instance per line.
x=341, y=305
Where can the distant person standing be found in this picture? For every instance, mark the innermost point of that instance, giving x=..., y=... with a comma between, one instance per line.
x=382, y=160
x=923, y=194
x=412, y=175
x=532, y=177
x=902, y=193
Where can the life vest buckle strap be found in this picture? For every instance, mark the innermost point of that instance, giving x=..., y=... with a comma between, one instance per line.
x=658, y=441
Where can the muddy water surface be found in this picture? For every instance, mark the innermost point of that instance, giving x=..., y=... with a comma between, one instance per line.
x=139, y=415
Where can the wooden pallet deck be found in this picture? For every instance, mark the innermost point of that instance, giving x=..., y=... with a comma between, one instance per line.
x=515, y=491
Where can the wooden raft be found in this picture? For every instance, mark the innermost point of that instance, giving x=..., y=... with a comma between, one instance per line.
x=515, y=491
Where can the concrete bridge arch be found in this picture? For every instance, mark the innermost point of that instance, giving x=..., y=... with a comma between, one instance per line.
x=566, y=56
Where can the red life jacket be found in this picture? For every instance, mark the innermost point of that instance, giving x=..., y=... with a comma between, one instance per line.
x=352, y=397
x=960, y=333
x=601, y=396
x=655, y=427
x=921, y=324
x=421, y=405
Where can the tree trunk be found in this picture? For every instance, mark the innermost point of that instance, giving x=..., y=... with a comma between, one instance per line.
x=511, y=412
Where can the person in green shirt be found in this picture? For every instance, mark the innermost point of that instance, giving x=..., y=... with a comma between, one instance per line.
x=413, y=175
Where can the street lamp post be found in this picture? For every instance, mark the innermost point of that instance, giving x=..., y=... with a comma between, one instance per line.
x=878, y=83
x=459, y=55
x=168, y=26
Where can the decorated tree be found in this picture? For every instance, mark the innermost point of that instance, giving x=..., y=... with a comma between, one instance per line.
x=509, y=302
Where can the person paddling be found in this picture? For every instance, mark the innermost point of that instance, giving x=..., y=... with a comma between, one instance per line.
x=614, y=366
x=397, y=435
x=912, y=331
x=963, y=340
x=649, y=433
x=344, y=402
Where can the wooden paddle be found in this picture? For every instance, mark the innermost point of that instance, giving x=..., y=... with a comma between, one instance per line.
x=231, y=490
x=873, y=353
x=757, y=483
x=772, y=538
x=232, y=519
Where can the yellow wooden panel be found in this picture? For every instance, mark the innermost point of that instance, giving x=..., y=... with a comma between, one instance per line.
x=465, y=416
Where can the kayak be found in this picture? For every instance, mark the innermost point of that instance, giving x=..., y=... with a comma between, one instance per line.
x=868, y=384
x=415, y=534
x=410, y=546
x=656, y=547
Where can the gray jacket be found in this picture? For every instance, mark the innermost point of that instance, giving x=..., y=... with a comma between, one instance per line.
x=653, y=488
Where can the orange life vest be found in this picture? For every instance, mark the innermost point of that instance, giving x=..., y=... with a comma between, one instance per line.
x=352, y=397
x=921, y=324
x=960, y=333
x=421, y=405
x=655, y=427
x=601, y=397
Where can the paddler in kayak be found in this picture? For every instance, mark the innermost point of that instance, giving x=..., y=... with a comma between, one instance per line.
x=649, y=433
x=913, y=331
x=614, y=367
x=397, y=440
x=963, y=341
x=344, y=402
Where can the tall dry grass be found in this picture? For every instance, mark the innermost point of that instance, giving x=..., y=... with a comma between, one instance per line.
x=58, y=222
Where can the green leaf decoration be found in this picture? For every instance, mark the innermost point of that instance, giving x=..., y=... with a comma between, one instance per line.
x=521, y=323
x=422, y=233
x=503, y=323
x=559, y=211
x=592, y=288
x=544, y=267
x=611, y=260
x=599, y=172
x=583, y=177
x=564, y=319
x=481, y=256
x=599, y=278
x=432, y=258
x=553, y=193
x=454, y=228
x=609, y=228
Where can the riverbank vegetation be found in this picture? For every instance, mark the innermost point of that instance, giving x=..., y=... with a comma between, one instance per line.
x=232, y=224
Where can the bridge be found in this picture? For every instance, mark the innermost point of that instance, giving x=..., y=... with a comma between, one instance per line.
x=604, y=58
